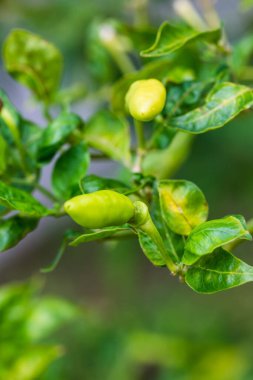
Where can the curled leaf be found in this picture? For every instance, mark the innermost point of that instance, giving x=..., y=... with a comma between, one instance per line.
x=170, y=38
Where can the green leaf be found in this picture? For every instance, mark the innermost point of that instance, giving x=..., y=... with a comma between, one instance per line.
x=183, y=205
x=183, y=97
x=222, y=104
x=218, y=271
x=55, y=135
x=96, y=235
x=34, y=62
x=70, y=167
x=170, y=38
x=174, y=243
x=150, y=249
x=30, y=136
x=14, y=229
x=210, y=235
x=109, y=134
x=92, y=183
x=20, y=200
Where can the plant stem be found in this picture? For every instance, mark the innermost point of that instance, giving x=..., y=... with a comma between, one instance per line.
x=110, y=40
x=142, y=221
x=139, y=135
x=140, y=140
x=213, y=19
x=186, y=10
x=140, y=9
x=122, y=60
x=46, y=192
x=57, y=258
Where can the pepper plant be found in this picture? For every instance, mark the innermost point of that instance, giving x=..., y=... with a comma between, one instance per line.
x=153, y=91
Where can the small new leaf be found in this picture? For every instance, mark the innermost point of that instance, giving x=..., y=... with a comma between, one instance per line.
x=183, y=205
x=218, y=271
x=170, y=38
x=205, y=238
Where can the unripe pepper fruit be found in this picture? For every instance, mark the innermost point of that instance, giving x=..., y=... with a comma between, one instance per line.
x=100, y=209
x=145, y=99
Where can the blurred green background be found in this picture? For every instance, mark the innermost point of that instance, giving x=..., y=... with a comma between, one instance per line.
x=121, y=318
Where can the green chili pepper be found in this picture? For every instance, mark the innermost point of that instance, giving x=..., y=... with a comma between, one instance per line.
x=145, y=99
x=100, y=209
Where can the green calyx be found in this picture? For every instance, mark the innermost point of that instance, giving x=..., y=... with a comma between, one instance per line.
x=141, y=214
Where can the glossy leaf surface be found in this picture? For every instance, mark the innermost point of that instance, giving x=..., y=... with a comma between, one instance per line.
x=30, y=136
x=20, y=200
x=56, y=134
x=150, y=249
x=183, y=205
x=70, y=167
x=218, y=271
x=174, y=244
x=222, y=104
x=208, y=236
x=14, y=229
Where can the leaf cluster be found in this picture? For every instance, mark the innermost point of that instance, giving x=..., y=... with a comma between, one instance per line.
x=205, y=89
